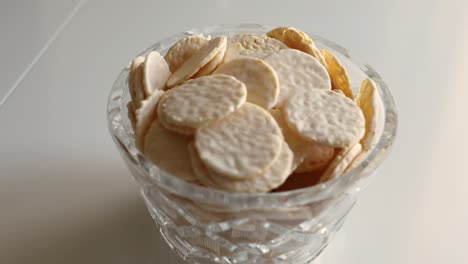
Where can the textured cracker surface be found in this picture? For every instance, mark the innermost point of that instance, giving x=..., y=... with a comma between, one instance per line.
x=184, y=49
x=318, y=156
x=241, y=145
x=145, y=115
x=259, y=78
x=325, y=117
x=184, y=130
x=168, y=151
x=200, y=170
x=203, y=100
x=298, y=146
x=250, y=45
x=193, y=64
x=338, y=74
x=368, y=99
x=155, y=73
x=297, y=71
x=270, y=179
x=297, y=39
x=342, y=161
x=211, y=66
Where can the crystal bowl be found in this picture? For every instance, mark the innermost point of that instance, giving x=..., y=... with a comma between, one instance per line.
x=210, y=226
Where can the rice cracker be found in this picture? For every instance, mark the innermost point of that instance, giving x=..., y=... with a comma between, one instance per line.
x=135, y=81
x=144, y=116
x=325, y=117
x=193, y=64
x=155, y=73
x=183, y=130
x=242, y=145
x=169, y=151
x=259, y=78
x=297, y=71
x=204, y=100
x=338, y=75
x=341, y=162
x=271, y=178
x=297, y=39
x=251, y=45
x=184, y=49
x=368, y=99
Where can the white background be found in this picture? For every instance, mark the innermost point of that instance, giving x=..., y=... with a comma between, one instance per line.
x=66, y=197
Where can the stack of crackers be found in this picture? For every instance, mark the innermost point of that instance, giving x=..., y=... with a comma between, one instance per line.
x=245, y=113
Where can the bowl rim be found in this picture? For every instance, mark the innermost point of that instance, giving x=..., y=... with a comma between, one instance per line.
x=351, y=181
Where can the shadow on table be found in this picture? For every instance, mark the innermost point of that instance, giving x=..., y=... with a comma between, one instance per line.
x=77, y=220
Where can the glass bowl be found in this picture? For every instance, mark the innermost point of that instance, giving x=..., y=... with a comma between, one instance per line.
x=210, y=226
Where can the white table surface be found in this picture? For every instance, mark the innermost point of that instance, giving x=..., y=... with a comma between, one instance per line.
x=66, y=197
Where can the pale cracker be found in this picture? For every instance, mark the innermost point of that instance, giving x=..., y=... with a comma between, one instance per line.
x=238, y=37
x=259, y=78
x=135, y=81
x=250, y=45
x=131, y=114
x=184, y=49
x=242, y=145
x=135, y=63
x=199, y=169
x=297, y=39
x=318, y=156
x=168, y=151
x=204, y=100
x=193, y=64
x=325, y=117
x=145, y=115
x=297, y=71
x=338, y=75
x=155, y=73
x=298, y=146
x=368, y=99
x=270, y=179
x=184, y=130
x=212, y=65
x=277, y=33
x=341, y=162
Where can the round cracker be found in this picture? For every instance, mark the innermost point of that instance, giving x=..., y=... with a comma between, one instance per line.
x=297, y=71
x=204, y=100
x=135, y=81
x=200, y=170
x=155, y=73
x=242, y=145
x=184, y=130
x=368, y=99
x=270, y=179
x=193, y=64
x=184, y=49
x=131, y=114
x=318, y=156
x=259, y=78
x=325, y=117
x=298, y=146
x=277, y=33
x=251, y=45
x=168, y=151
x=338, y=75
x=211, y=66
x=341, y=162
x=297, y=39
x=135, y=63
x=145, y=115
